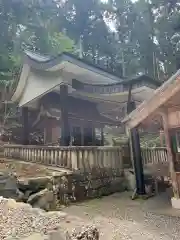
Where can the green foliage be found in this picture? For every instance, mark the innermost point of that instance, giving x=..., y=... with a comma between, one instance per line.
x=58, y=43
x=150, y=140
x=146, y=37
x=28, y=25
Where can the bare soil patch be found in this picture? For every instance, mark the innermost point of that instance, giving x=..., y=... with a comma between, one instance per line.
x=24, y=170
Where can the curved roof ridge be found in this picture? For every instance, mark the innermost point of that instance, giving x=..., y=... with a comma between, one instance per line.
x=37, y=56
x=44, y=61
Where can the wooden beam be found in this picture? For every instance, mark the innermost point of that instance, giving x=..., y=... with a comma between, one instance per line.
x=161, y=136
x=137, y=159
x=165, y=93
x=93, y=135
x=65, y=130
x=136, y=154
x=48, y=126
x=25, y=131
x=164, y=115
x=82, y=135
x=102, y=136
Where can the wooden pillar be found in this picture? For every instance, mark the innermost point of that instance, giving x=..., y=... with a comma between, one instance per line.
x=136, y=154
x=93, y=136
x=161, y=136
x=48, y=130
x=71, y=134
x=82, y=135
x=102, y=137
x=25, y=130
x=55, y=130
x=138, y=164
x=44, y=135
x=164, y=115
x=65, y=130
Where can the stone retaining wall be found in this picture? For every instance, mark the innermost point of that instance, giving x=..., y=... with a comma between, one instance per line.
x=66, y=188
x=95, y=172
x=80, y=186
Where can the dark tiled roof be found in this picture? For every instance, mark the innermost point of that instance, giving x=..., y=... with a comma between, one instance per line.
x=47, y=61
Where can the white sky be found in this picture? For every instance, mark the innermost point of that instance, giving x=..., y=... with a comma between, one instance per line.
x=111, y=24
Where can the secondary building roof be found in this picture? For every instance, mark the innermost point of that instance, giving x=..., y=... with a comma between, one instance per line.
x=166, y=96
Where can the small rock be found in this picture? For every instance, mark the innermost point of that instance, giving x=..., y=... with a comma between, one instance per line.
x=27, y=194
x=11, y=182
x=34, y=184
x=20, y=195
x=130, y=180
x=88, y=233
x=9, y=186
x=43, y=199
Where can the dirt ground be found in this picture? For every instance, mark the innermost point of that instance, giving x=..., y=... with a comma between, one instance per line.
x=118, y=217
x=25, y=170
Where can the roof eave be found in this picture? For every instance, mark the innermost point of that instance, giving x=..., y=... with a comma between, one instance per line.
x=50, y=63
x=21, y=83
x=169, y=88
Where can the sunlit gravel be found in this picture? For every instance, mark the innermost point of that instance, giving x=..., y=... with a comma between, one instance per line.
x=18, y=220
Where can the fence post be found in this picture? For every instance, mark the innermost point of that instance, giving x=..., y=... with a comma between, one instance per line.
x=74, y=159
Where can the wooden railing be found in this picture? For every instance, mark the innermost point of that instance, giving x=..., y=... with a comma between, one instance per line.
x=74, y=158
x=152, y=156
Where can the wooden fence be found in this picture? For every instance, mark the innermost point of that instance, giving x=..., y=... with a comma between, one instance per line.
x=73, y=158
x=81, y=158
x=153, y=156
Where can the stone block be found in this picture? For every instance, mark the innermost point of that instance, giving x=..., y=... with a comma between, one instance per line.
x=130, y=180
x=95, y=184
x=34, y=184
x=43, y=199
x=175, y=202
x=9, y=186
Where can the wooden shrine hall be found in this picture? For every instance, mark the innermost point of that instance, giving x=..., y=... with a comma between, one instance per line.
x=69, y=99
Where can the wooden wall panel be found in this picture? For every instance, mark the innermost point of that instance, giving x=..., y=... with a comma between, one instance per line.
x=174, y=119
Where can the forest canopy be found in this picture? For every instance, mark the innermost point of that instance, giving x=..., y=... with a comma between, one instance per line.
x=126, y=37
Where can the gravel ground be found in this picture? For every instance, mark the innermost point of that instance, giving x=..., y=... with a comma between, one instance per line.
x=116, y=217
x=18, y=220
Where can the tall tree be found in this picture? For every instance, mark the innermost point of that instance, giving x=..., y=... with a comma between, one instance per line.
x=85, y=23
x=28, y=25
x=144, y=41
